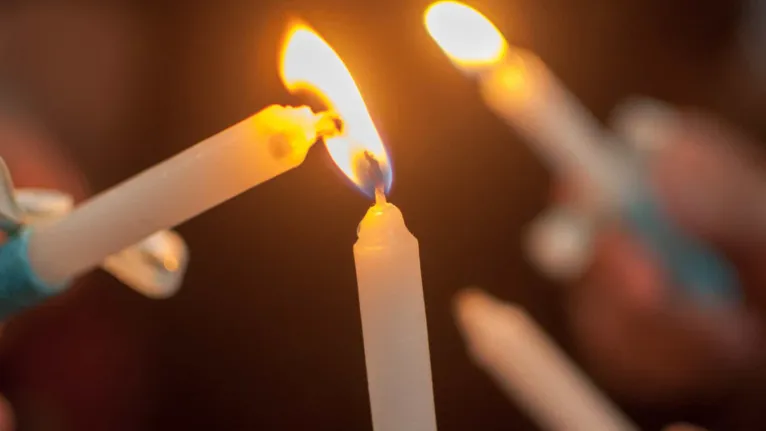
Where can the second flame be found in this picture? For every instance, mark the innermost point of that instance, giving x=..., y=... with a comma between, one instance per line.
x=308, y=63
x=468, y=38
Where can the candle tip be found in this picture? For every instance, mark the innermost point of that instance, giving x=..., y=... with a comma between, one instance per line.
x=329, y=124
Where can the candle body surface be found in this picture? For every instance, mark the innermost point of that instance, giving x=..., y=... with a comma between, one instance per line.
x=532, y=369
x=394, y=323
x=217, y=169
x=523, y=92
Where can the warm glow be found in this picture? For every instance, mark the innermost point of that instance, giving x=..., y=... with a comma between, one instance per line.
x=308, y=63
x=467, y=37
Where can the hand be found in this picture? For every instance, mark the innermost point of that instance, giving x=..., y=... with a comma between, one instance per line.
x=634, y=332
x=33, y=162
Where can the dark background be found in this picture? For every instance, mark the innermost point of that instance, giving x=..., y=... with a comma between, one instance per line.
x=265, y=333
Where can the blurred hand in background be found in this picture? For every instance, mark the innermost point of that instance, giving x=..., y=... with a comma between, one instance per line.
x=632, y=329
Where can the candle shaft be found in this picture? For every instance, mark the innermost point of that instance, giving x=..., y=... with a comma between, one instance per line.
x=529, y=366
x=523, y=92
x=261, y=147
x=394, y=323
x=563, y=132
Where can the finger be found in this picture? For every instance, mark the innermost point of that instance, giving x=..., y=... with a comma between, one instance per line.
x=640, y=342
x=660, y=356
x=35, y=160
x=622, y=262
x=559, y=243
x=707, y=174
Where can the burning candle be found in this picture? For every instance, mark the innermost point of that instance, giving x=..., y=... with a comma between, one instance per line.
x=386, y=253
x=518, y=87
x=219, y=168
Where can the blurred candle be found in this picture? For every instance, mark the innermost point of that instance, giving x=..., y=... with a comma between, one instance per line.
x=529, y=366
x=219, y=168
x=386, y=254
x=519, y=88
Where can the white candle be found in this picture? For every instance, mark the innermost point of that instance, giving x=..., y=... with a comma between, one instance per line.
x=261, y=147
x=529, y=367
x=386, y=254
x=393, y=322
x=521, y=90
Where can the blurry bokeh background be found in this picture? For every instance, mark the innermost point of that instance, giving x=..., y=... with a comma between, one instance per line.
x=266, y=334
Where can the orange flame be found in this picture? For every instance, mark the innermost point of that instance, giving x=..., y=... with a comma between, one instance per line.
x=309, y=63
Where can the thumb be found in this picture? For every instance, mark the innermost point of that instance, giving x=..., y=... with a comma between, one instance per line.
x=708, y=175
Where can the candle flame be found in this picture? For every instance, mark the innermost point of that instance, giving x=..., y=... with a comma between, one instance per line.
x=468, y=38
x=308, y=63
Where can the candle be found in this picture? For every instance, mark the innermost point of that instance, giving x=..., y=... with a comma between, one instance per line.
x=154, y=267
x=519, y=88
x=529, y=367
x=393, y=322
x=219, y=168
x=386, y=254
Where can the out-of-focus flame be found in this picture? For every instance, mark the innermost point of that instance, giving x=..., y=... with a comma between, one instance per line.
x=308, y=63
x=468, y=38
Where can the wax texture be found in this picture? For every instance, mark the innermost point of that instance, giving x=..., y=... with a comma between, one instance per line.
x=394, y=323
x=259, y=148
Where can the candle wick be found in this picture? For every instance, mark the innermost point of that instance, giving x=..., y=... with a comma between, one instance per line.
x=380, y=195
x=329, y=124
x=376, y=175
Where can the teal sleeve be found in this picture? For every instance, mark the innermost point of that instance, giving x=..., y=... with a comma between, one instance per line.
x=20, y=287
x=695, y=267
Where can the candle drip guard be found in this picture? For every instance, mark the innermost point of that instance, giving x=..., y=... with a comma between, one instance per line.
x=155, y=267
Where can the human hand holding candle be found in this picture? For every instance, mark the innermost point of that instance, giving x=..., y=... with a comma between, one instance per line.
x=262, y=147
x=386, y=254
x=219, y=168
x=518, y=87
x=624, y=312
x=32, y=158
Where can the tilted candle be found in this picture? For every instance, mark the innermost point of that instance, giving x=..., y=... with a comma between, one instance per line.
x=154, y=267
x=519, y=88
x=529, y=366
x=386, y=254
x=263, y=146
